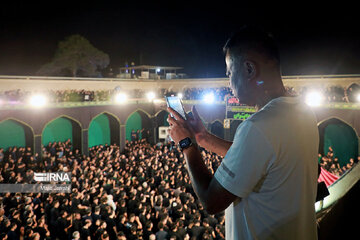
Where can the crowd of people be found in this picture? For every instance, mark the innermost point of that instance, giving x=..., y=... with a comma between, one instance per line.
x=143, y=192
x=331, y=94
x=54, y=96
x=331, y=163
x=198, y=93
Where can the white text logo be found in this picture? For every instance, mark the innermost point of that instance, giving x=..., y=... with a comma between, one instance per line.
x=52, y=177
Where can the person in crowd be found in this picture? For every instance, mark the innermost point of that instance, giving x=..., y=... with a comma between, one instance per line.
x=85, y=232
x=76, y=235
x=332, y=164
x=161, y=234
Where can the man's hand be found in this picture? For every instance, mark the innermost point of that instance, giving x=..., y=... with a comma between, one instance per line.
x=179, y=128
x=197, y=125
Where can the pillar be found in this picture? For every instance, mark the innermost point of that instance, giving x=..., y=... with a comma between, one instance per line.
x=85, y=142
x=122, y=137
x=37, y=145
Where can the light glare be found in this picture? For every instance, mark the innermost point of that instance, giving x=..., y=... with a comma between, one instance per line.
x=358, y=97
x=120, y=98
x=209, y=98
x=38, y=101
x=150, y=95
x=314, y=99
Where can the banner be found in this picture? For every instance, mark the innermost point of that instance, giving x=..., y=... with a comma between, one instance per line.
x=327, y=177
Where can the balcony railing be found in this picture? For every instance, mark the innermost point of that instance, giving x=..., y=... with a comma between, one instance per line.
x=19, y=105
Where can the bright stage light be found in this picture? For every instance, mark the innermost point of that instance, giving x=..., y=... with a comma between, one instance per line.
x=150, y=96
x=209, y=98
x=314, y=99
x=358, y=97
x=38, y=101
x=120, y=98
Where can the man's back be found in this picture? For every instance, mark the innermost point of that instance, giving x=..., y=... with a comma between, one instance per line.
x=161, y=235
x=272, y=167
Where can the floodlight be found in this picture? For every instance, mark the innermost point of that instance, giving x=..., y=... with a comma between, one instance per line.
x=180, y=95
x=358, y=97
x=209, y=98
x=38, y=100
x=150, y=96
x=314, y=99
x=120, y=98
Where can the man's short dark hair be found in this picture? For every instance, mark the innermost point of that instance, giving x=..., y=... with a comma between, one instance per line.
x=252, y=38
x=62, y=212
x=160, y=225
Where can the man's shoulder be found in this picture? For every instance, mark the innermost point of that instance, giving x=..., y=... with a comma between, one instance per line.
x=276, y=114
x=53, y=209
x=245, y=128
x=261, y=118
x=161, y=233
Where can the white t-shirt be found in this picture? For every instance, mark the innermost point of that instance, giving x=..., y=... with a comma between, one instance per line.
x=272, y=167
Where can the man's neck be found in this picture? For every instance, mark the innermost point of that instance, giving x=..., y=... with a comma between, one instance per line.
x=269, y=95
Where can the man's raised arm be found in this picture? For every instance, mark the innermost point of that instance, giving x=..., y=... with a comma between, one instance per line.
x=205, y=139
x=204, y=183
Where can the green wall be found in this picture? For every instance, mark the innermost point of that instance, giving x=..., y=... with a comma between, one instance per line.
x=57, y=130
x=134, y=122
x=165, y=122
x=99, y=131
x=11, y=134
x=343, y=140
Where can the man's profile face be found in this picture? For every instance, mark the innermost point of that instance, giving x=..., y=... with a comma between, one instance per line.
x=233, y=71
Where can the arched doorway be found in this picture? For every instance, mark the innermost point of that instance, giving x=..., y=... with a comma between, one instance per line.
x=62, y=129
x=15, y=133
x=161, y=121
x=217, y=129
x=341, y=137
x=353, y=92
x=161, y=118
x=104, y=129
x=138, y=126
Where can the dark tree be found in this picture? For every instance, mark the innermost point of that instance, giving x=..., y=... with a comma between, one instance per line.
x=76, y=56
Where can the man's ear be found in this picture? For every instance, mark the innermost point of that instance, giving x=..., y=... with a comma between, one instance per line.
x=250, y=69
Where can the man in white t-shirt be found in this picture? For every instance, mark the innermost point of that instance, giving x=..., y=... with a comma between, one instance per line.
x=267, y=181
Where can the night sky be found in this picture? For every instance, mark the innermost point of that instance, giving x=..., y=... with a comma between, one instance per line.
x=312, y=39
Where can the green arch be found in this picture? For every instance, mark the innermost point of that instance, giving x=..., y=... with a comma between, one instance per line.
x=134, y=122
x=162, y=117
x=165, y=122
x=12, y=134
x=99, y=131
x=57, y=130
x=343, y=140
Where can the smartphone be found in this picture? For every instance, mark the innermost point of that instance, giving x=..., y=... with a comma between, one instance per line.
x=175, y=103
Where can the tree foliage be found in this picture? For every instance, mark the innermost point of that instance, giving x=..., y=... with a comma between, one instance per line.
x=76, y=56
